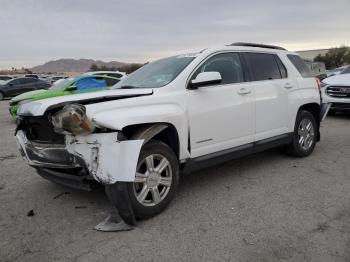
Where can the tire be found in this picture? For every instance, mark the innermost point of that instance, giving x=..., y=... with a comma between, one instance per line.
x=331, y=112
x=304, y=136
x=1, y=96
x=149, y=197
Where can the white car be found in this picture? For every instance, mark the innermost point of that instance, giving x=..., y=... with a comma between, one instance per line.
x=339, y=71
x=173, y=115
x=336, y=90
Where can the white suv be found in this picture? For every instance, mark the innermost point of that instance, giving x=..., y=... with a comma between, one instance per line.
x=174, y=115
x=336, y=90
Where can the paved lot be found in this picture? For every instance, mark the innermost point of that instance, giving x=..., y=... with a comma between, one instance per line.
x=266, y=207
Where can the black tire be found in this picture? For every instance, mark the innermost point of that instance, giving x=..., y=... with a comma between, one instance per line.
x=295, y=148
x=2, y=96
x=332, y=112
x=141, y=211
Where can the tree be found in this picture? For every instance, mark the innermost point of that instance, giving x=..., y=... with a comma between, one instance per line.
x=335, y=57
x=93, y=67
x=129, y=68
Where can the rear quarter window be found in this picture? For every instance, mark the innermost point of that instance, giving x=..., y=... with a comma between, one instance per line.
x=300, y=65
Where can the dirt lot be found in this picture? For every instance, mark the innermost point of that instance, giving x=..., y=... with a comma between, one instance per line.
x=266, y=207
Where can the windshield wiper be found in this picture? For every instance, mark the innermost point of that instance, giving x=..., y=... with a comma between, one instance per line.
x=128, y=87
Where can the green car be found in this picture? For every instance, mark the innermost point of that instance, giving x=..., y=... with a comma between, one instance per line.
x=76, y=85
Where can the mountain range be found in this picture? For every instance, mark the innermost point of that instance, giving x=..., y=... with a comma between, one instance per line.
x=73, y=65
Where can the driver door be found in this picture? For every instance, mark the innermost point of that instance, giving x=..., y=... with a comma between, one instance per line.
x=221, y=116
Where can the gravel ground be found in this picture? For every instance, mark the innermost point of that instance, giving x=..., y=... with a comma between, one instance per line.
x=265, y=207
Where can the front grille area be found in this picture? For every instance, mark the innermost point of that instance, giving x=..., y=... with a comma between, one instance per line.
x=338, y=91
x=39, y=129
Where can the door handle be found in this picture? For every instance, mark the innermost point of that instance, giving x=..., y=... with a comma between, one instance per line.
x=288, y=86
x=244, y=91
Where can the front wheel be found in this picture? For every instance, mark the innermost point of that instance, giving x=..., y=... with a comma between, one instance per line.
x=304, y=136
x=156, y=180
x=1, y=96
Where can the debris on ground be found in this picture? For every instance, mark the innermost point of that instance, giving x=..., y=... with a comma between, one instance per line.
x=80, y=207
x=61, y=194
x=6, y=157
x=30, y=213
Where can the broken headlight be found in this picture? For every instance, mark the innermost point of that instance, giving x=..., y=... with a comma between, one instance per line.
x=72, y=119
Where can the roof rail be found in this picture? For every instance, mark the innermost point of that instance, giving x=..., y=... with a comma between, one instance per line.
x=257, y=45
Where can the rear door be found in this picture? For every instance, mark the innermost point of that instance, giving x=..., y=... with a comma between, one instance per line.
x=272, y=89
x=221, y=116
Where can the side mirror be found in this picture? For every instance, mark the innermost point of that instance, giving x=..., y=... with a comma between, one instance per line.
x=205, y=79
x=10, y=84
x=70, y=88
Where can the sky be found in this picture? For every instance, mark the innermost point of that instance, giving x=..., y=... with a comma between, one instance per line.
x=35, y=31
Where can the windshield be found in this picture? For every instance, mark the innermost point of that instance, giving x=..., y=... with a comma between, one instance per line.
x=157, y=74
x=346, y=70
x=61, y=84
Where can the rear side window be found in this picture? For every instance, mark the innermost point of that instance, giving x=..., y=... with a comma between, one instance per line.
x=263, y=66
x=31, y=80
x=114, y=75
x=300, y=65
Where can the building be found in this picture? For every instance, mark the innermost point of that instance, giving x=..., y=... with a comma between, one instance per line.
x=309, y=55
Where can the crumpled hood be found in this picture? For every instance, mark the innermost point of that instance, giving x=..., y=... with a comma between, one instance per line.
x=39, y=107
x=342, y=80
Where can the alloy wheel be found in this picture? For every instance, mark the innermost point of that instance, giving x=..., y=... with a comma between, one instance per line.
x=153, y=180
x=306, y=134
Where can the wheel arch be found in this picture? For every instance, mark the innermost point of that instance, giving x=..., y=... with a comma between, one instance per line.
x=314, y=109
x=164, y=132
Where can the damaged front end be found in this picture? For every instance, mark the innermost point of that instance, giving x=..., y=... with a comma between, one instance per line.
x=67, y=139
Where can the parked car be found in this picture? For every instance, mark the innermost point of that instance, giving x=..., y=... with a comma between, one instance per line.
x=32, y=75
x=336, y=90
x=56, y=78
x=339, y=70
x=76, y=85
x=116, y=74
x=5, y=78
x=173, y=115
x=21, y=85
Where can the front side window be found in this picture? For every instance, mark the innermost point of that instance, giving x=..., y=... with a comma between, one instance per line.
x=300, y=65
x=227, y=64
x=263, y=66
x=157, y=74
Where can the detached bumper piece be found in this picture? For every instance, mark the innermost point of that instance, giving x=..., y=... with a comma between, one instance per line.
x=125, y=219
x=59, y=176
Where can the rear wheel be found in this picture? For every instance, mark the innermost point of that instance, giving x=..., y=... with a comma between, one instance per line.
x=305, y=135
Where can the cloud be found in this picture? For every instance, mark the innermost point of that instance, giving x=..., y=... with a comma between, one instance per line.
x=35, y=31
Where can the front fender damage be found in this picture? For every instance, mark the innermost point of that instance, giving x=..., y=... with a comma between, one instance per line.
x=107, y=159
